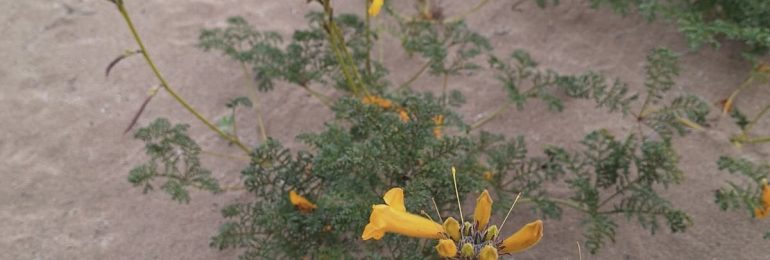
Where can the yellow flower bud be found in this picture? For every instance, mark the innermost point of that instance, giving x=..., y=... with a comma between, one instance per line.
x=488, y=253
x=491, y=233
x=452, y=228
x=374, y=9
x=467, y=250
x=483, y=210
x=446, y=248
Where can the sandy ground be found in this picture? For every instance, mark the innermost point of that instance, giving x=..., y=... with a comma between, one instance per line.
x=64, y=193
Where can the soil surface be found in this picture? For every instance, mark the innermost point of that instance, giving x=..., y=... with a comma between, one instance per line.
x=64, y=193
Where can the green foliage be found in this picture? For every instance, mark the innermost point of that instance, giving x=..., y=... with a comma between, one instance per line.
x=745, y=195
x=436, y=42
x=370, y=148
x=704, y=22
x=345, y=172
x=174, y=158
x=520, y=71
x=740, y=118
x=304, y=60
x=227, y=123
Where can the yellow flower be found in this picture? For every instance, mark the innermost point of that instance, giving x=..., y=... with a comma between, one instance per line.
x=488, y=253
x=483, y=210
x=392, y=217
x=488, y=175
x=302, y=204
x=764, y=210
x=439, y=121
x=377, y=101
x=523, y=239
x=446, y=248
x=374, y=9
x=464, y=240
x=403, y=115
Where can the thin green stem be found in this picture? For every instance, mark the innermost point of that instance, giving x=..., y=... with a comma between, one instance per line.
x=167, y=87
x=444, y=98
x=757, y=140
x=466, y=13
x=729, y=101
x=325, y=100
x=568, y=203
x=618, y=192
x=368, y=36
x=226, y=156
x=235, y=124
x=255, y=98
x=337, y=42
x=415, y=76
x=755, y=119
x=491, y=116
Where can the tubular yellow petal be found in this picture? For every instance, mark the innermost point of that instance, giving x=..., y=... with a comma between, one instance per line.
x=452, y=227
x=395, y=199
x=488, y=253
x=446, y=248
x=302, y=204
x=386, y=219
x=523, y=239
x=483, y=210
x=374, y=9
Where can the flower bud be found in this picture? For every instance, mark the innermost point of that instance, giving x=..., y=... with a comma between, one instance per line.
x=491, y=233
x=452, y=228
x=488, y=253
x=467, y=250
x=446, y=248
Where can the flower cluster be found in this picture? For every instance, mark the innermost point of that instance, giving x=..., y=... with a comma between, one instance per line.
x=477, y=240
x=387, y=105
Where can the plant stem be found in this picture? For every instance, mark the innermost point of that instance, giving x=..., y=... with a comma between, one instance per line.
x=444, y=98
x=368, y=36
x=326, y=101
x=618, y=192
x=227, y=156
x=755, y=119
x=491, y=116
x=345, y=59
x=568, y=203
x=255, y=99
x=466, y=13
x=164, y=83
x=415, y=76
x=729, y=101
x=758, y=140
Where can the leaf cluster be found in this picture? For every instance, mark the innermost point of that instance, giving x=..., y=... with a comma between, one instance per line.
x=746, y=194
x=307, y=57
x=704, y=22
x=174, y=158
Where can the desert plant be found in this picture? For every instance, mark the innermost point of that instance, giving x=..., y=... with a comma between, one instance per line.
x=315, y=202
